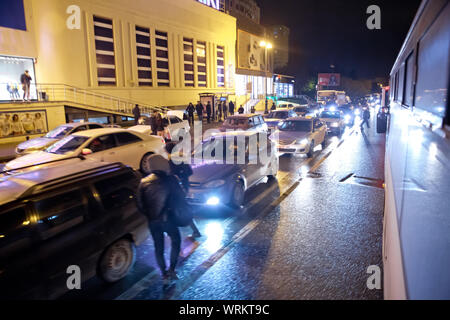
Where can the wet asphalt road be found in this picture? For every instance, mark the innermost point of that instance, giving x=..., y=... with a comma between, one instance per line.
x=310, y=234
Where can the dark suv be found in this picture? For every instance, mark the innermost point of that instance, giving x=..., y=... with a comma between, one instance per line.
x=57, y=217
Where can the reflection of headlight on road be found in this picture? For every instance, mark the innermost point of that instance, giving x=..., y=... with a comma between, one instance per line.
x=334, y=125
x=213, y=201
x=347, y=118
x=215, y=184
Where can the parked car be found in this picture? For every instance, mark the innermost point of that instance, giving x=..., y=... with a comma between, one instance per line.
x=275, y=118
x=105, y=145
x=223, y=183
x=300, y=136
x=39, y=144
x=334, y=120
x=245, y=122
x=176, y=126
x=83, y=216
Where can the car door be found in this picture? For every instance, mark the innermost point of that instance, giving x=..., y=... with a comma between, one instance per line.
x=102, y=148
x=129, y=150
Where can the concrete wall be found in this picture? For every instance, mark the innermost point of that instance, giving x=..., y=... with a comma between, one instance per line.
x=68, y=56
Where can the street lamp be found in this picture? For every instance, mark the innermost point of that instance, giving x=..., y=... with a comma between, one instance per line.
x=266, y=46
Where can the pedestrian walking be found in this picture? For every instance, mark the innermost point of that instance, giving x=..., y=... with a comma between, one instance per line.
x=208, y=112
x=25, y=79
x=199, y=109
x=190, y=110
x=366, y=118
x=182, y=171
x=162, y=200
x=160, y=127
x=153, y=122
x=219, y=112
x=253, y=109
x=225, y=110
x=137, y=114
x=241, y=110
x=231, y=108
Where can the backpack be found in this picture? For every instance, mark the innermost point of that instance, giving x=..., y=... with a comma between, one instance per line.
x=180, y=213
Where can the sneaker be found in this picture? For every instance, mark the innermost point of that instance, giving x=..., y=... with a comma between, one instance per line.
x=172, y=275
x=165, y=278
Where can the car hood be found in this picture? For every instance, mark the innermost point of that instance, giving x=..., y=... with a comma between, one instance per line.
x=38, y=143
x=34, y=158
x=286, y=138
x=208, y=171
x=330, y=119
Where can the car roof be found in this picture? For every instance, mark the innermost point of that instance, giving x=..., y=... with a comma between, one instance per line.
x=300, y=119
x=98, y=132
x=243, y=116
x=77, y=124
x=15, y=186
x=236, y=133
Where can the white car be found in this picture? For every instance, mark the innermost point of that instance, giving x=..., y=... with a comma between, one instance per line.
x=39, y=144
x=105, y=145
x=176, y=126
x=300, y=136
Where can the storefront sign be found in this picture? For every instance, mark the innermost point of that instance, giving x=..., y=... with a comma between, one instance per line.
x=215, y=4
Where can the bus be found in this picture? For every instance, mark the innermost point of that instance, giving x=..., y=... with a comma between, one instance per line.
x=416, y=230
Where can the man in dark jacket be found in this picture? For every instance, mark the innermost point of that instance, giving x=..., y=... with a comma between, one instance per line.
x=366, y=118
x=199, y=109
x=219, y=111
x=154, y=199
x=183, y=171
x=190, y=110
x=208, y=112
x=153, y=125
x=25, y=79
x=137, y=114
x=225, y=110
x=241, y=110
x=231, y=108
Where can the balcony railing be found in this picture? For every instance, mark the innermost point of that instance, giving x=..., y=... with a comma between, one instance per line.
x=62, y=92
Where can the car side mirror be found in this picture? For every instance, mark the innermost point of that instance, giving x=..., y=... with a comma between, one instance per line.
x=86, y=152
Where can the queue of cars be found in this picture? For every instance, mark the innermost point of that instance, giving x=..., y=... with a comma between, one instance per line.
x=72, y=202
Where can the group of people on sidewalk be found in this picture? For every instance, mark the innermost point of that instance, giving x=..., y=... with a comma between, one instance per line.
x=162, y=198
x=223, y=110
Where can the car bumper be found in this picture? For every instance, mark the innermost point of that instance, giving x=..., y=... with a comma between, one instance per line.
x=293, y=149
x=199, y=197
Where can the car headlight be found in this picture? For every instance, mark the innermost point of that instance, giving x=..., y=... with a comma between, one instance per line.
x=334, y=125
x=347, y=118
x=357, y=112
x=304, y=142
x=213, y=201
x=215, y=184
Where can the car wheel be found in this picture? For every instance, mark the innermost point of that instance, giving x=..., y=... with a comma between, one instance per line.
x=237, y=195
x=145, y=168
x=311, y=150
x=116, y=261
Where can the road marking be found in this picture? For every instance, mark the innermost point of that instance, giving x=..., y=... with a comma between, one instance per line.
x=139, y=286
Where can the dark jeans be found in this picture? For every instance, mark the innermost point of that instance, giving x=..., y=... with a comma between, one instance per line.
x=365, y=121
x=209, y=117
x=157, y=230
x=191, y=119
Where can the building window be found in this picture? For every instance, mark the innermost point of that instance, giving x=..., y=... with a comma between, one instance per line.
x=188, y=45
x=104, y=49
x=201, y=63
x=144, y=61
x=162, y=58
x=409, y=81
x=220, y=66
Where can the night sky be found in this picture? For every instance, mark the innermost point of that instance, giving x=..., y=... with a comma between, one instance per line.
x=325, y=32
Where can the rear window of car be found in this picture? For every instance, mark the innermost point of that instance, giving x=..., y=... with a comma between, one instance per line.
x=125, y=138
x=118, y=191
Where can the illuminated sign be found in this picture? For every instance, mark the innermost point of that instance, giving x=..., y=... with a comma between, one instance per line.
x=211, y=3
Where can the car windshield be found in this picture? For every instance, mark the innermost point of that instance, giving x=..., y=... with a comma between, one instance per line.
x=278, y=115
x=236, y=122
x=301, y=126
x=301, y=109
x=59, y=132
x=66, y=145
x=330, y=114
